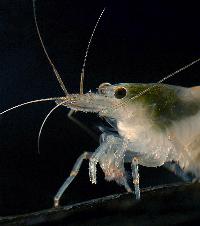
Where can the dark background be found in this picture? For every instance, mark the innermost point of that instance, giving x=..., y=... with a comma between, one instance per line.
x=136, y=41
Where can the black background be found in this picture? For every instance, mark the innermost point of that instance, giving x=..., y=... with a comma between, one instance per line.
x=136, y=41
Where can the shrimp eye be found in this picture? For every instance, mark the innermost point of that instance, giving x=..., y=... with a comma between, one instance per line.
x=120, y=92
x=102, y=87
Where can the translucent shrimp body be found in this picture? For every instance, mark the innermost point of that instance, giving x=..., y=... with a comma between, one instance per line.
x=159, y=127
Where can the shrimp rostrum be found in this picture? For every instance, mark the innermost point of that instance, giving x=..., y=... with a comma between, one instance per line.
x=153, y=125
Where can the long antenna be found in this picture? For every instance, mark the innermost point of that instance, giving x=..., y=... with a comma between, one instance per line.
x=31, y=102
x=159, y=82
x=44, y=121
x=86, y=53
x=167, y=77
x=45, y=51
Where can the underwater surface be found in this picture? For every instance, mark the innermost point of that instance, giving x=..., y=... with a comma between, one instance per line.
x=177, y=204
x=135, y=42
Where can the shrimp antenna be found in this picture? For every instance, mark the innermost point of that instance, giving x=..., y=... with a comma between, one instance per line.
x=44, y=121
x=159, y=82
x=45, y=51
x=86, y=53
x=166, y=77
x=31, y=102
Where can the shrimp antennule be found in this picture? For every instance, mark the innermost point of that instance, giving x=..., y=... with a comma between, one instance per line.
x=86, y=53
x=45, y=51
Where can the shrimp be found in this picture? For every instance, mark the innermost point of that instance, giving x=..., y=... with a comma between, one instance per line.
x=153, y=124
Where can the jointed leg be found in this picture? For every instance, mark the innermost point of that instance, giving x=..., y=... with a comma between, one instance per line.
x=126, y=185
x=176, y=169
x=94, y=159
x=135, y=175
x=74, y=172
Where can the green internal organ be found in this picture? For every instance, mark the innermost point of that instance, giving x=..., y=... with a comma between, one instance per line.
x=163, y=102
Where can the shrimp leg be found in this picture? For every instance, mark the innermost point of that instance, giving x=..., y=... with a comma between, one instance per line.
x=135, y=175
x=176, y=169
x=73, y=174
x=126, y=185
